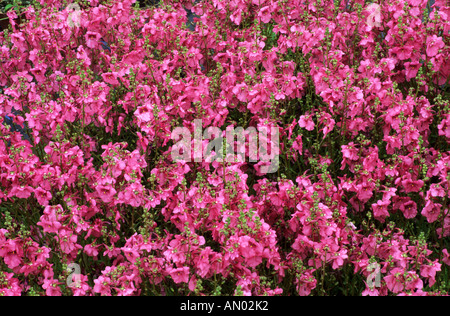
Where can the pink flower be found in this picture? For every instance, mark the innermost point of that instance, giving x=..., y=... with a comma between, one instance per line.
x=364, y=191
x=251, y=250
x=403, y=52
x=91, y=250
x=67, y=241
x=395, y=280
x=51, y=287
x=49, y=220
x=298, y=144
x=11, y=286
x=444, y=127
x=306, y=282
x=144, y=112
x=132, y=57
x=431, y=211
x=241, y=92
x=22, y=192
x=380, y=210
x=389, y=193
x=411, y=69
x=370, y=291
x=436, y=190
x=12, y=253
x=92, y=39
x=374, y=18
x=429, y=271
x=434, y=44
x=350, y=151
x=203, y=263
x=111, y=78
x=393, y=142
x=446, y=258
x=409, y=209
x=307, y=122
x=102, y=285
x=265, y=14
x=180, y=275
x=81, y=54
x=412, y=186
x=130, y=253
x=413, y=282
x=42, y=196
x=328, y=123
x=39, y=73
x=81, y=286
x=19, y=41
x=193, y=57
x=339, y=258
x=106, y=192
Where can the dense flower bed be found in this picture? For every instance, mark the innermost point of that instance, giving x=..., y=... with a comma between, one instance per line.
x=93, y=203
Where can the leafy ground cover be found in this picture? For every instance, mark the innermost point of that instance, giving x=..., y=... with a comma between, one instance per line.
x=93, y=203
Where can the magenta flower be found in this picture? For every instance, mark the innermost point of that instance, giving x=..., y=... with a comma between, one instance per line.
x=431, y=211
x=412, y=186
x=106, y=192
x=350, y=151
x=49, y=220
x=111, y=78
x=411, y=69
x=446, y=258
x=67, y=240
x=306, y=122
x=434, y=44
x=380, y=210
x=12, y=253
x=251, y=250
x=92, y=39
x=395, y=280
x=403, y=52
x=22, y=192
x=102, y=285
x=144, y=112
x=265, y=14
x=436, y=190
x=42, y=196
x=429, y=271
x=179, y=275
x=374, y=19
x=409, y=209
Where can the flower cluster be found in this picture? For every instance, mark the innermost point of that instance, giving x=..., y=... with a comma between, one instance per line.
x=360, y=201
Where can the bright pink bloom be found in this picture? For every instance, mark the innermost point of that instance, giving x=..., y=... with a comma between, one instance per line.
x=446, y=258
x=306, y=122
x=67, y=241
x=409, y=209
x=403, y=52
x=395, y=280
x=434, y=44
x=180, y=275
x=92, y=39
x=429, y=271
x=380, y=210
x=431, y=211
x=106, y=192
x=412, y=186
x=49, y=220
x=350, y=151
x=411, y=69
x=111, y=78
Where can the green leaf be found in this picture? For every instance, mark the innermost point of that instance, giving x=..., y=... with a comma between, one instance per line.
x=8, y=6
